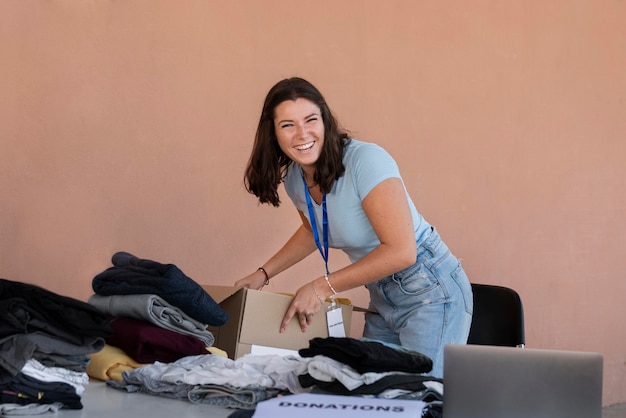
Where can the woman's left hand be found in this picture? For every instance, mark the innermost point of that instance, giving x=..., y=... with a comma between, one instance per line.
x=304, y=306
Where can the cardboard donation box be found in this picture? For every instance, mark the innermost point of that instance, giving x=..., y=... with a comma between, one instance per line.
x=255, y=317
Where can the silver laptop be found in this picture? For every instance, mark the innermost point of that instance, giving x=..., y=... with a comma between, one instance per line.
x=506, y=382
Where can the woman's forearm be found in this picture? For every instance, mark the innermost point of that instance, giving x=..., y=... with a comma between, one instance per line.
x=299, y=246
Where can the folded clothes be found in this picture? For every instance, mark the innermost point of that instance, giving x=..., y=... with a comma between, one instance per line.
x=110, y=363
x=147, y=343
x=24, y=390
x=28, y=308
x=36, y=320
x=154, y=309
x=36, y=370
x=227, y=396
x=368, y=356
x=17, y=349
x=7, y=409
x=409, y=382
x=131, y=276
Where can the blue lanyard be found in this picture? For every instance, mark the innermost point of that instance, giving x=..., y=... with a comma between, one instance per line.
x=309, y=203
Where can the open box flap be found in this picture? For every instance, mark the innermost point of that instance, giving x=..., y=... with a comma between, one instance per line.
x=221, y=293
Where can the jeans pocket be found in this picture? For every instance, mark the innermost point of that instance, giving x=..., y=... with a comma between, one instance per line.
x=415, y=280
x=462, y=281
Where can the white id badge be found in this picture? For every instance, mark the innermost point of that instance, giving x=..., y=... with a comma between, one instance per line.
x=334, y=319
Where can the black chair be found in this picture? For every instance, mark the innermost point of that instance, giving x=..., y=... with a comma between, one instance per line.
x=498, y=317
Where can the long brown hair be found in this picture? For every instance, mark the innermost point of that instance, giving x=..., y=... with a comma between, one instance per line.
x=268, y=163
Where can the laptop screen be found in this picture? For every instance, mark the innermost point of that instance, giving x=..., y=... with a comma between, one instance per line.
x=507, y=382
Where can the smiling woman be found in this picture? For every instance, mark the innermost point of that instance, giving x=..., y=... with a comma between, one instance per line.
x=300, y=133
x=349, y=195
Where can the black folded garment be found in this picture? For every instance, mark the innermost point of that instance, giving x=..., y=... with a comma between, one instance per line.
x=28, y=308
x=411, y=382
x=24, y=390
x=368, y=356
x=134, y=276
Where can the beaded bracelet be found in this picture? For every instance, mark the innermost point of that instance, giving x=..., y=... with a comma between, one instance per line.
x=267, y=276
x=330, y=285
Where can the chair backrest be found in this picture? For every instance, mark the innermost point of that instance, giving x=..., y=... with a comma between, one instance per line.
x=498, y=317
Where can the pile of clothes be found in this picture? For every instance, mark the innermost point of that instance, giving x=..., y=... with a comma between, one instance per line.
x=157, y=313
x=145, y=330
x=45, y=342
x=333, y=365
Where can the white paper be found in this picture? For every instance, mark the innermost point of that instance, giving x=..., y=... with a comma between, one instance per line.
x=262, y=350
x=308, y=405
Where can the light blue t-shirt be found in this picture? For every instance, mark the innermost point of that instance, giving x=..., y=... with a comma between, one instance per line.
x=349, y=230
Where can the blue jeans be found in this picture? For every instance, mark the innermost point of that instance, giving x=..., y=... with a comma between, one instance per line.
x=425, y=306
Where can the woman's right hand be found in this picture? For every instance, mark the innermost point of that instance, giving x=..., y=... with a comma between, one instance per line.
x=254, y=281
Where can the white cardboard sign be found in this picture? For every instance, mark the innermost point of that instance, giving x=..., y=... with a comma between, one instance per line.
x=334, y=320
x=308, y=405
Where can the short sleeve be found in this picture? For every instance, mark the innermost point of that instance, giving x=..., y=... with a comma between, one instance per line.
x=371, y=165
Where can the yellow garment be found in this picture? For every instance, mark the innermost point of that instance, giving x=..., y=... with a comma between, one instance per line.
x=217, y=351
x=109, y=363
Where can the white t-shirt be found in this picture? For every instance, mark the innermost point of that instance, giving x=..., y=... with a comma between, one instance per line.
x=366, y=165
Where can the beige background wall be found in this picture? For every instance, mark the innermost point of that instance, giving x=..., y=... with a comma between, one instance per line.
x=126, y=125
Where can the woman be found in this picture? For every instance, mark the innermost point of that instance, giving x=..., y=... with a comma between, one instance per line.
x=350, y=195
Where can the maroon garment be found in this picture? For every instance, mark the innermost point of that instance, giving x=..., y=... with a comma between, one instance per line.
x=147, y=343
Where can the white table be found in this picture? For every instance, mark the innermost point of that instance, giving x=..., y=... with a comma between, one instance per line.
x=100, y=401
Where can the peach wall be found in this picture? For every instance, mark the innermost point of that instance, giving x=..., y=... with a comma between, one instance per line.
x=127, y=126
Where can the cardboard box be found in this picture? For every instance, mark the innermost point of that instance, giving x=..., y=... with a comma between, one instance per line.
x=255, y=318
